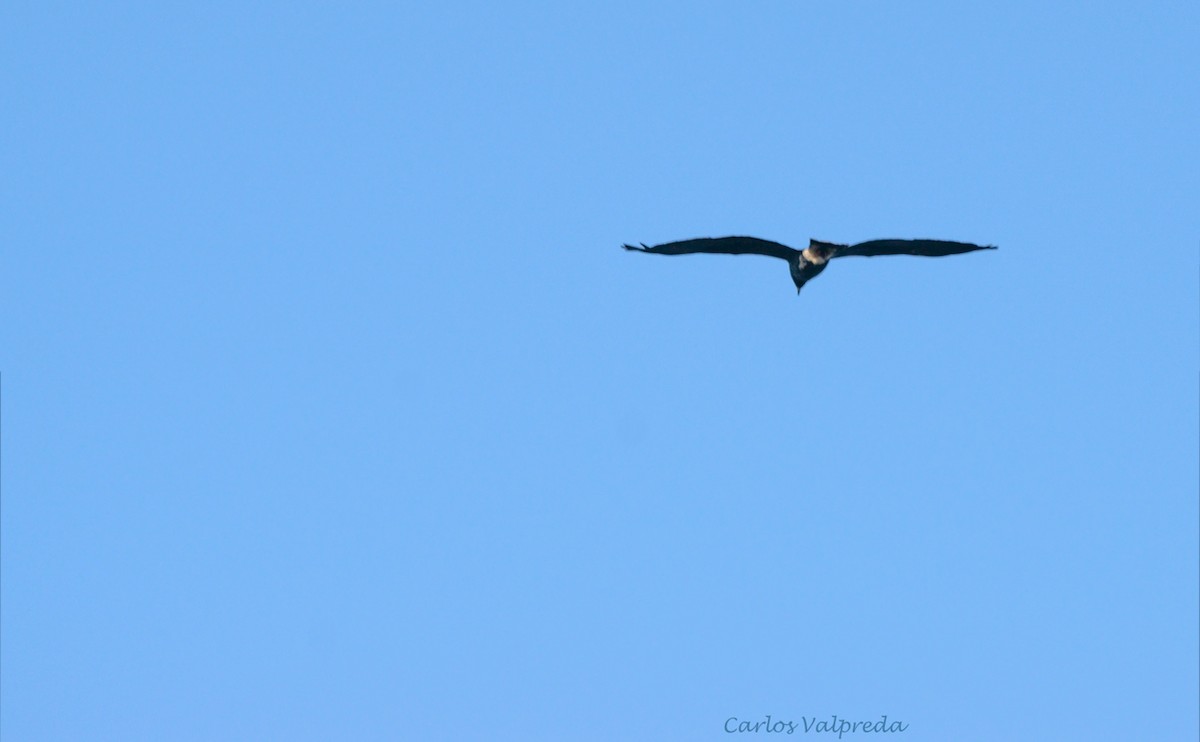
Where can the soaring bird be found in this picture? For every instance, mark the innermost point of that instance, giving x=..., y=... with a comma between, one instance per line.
x=808, y=263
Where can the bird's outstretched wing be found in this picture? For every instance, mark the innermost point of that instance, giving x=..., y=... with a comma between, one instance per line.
x=930, y=248
x=725, y=245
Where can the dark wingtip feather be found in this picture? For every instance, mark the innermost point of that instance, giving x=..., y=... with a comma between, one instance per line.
x=633, y=247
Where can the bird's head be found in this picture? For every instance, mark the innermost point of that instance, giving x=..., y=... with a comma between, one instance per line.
x=819, y=253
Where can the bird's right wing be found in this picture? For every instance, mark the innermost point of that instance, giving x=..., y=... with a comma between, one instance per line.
x=723, y=245
x=928, y=248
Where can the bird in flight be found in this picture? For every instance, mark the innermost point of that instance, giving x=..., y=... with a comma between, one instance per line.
x=808, y=263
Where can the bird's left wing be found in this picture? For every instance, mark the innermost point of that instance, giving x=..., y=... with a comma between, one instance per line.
x=929, y=248
x=724, y=245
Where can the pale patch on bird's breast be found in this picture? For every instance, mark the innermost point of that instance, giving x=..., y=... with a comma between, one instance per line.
x=815, y=255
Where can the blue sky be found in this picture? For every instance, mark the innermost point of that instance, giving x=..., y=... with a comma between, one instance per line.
x=332, y=410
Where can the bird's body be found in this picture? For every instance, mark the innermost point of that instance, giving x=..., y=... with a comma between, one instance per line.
x=808, y=263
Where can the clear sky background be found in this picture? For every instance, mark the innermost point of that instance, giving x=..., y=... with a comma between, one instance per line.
x=333, y=410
